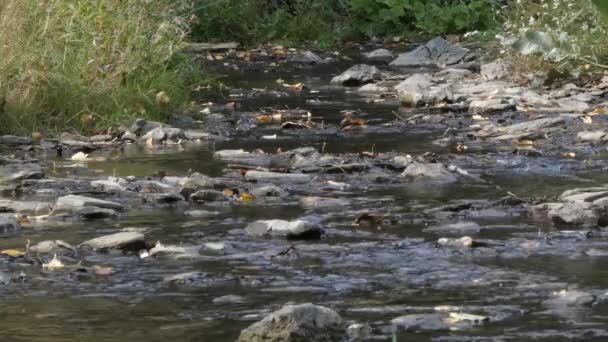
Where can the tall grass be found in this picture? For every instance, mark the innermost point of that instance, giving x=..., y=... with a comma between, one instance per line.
x=85, y=64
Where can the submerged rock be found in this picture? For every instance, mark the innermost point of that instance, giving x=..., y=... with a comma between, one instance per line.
x=322, y=203
x=294, y=323
x=275, y=177
x=298, y=229
x=435, y=172
x=436, y=52
x=358, y=75
x=124, y=240
x=9, y=223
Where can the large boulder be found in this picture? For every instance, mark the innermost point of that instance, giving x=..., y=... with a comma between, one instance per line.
x=298, y=229
x=296, y=323
x=436, y=52
x=357, y=75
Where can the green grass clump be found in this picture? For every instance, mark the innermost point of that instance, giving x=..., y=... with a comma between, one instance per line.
x=87, y=64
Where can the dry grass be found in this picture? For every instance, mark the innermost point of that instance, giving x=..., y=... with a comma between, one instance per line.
x=85, y=64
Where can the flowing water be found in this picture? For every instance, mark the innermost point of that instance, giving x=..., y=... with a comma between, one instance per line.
x=366, y=275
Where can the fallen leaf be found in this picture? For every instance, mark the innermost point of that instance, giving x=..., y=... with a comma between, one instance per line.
x=478, y=117
x=461, y=147
x=598, y=110
x=587, y=120
x=228, y=192
x=570, y=155
x=525, y=143
x=13, y=253
x=524, y=108
x=370, y=221
x=55, y=263
x=247, y=197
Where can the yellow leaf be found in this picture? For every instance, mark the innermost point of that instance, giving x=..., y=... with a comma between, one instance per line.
x=570, y=155
x=524, y=108
x=598, y=110
x=479, y=117
x=525, y=143
x=461, y=147
x=228, y=192
x=13, y=253
x=247, y=197
x=587, y=120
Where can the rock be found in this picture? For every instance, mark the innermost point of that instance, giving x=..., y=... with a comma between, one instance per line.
x=489, y=106
x=161, y=134
x=110, y=184
x=129, y=136
x=208, y=196
x=76, y=202
x=244, y=157
x=487, y=88
x=358, y=332
x=229, y=299
x=571, y=105
x=421, y=322
x=379, y=55
x=201, y=213
x=12, y=140
x=101, y=138
x=197, y=181
x=10, y=174
x=307, y=57
x=357, y=75
x=294, y=323
x=75, y=141
x=419, y=89
x=124, y=240
x=569, y=298
x=268, y=191
x=322, y=203
x=373, y=88
x=463, y=242
x=531, y=128
x=51, y=246
x=534, y=99
x=96, y=213
x=580, y=213
x=455, y=228
x=435, y=172
x=275, y=177
x=9, y=223
x=24, y=207
x=5, y=278
x=495, y=71
x=298, y=229
x=594, y=137
x=436, y=52
x=584, y=195
x=141, y=127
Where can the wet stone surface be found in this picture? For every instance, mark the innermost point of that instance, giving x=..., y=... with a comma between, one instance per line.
x=427, y=205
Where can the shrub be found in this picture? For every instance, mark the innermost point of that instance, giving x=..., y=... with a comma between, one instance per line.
x=561, y=35
x=87, y=63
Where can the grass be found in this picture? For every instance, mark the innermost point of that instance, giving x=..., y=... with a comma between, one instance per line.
x=86, y=64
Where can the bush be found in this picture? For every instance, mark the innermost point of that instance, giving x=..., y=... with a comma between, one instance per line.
x=562, y=35
x=84, y=64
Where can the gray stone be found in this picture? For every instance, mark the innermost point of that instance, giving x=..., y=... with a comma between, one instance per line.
x=229, y=299
x=534, y=99
x=495, y=71
x=523, y=129
x=462, y=242
x=436, y=52
x=75, y=141
x=293, y=323
x=9, y=223
x=572, y=105
x=161, y=134
x=201, y=213
x=373, y=88
x=455, y=228
x=208, y=196
x=256, y=158
x=12, y=140
x=421, y=322
x=489, y=106
x=76, y=202
x=25, y=207
x=298, y=229
x=358, y=332
x=435, y=172
x=594, y=137
x=141, y=126
x=357, y=75
x=268, y=191
x=122, y=240
x=129, y=136
x=51, y=246
x=420, y=89
x=322, y=203
x=275, y=177
x=578, y=213
x=96, y=213
x=379, y=55
x=197, y=181
x=307, y=57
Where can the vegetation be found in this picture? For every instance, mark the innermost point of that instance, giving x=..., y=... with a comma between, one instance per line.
x=567, y=36
x=87, y=63
x=326, y=22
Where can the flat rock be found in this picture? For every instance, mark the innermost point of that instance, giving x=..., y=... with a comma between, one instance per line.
x=594, y=137
x=379, y=55
x=489, y=106
x=421, y=322
x=435, y=172
x=275, y=177
x=25, y=206
x=294, y=323
x=12, y=140
x=76, y=202
x=495, y=71
x=436, y=52
x=298, y=229
x=96, y=213
x=322, y=203
x=245, y=157
x=123, y=240
x=358, y=75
